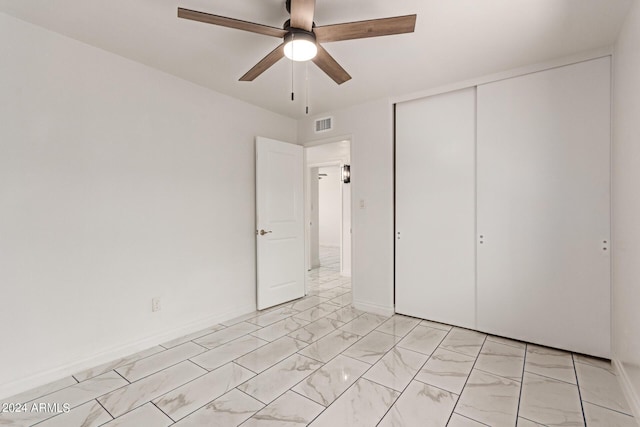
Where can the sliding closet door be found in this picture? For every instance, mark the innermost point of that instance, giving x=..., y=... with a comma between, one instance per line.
x=543, y=207
x=435, y=208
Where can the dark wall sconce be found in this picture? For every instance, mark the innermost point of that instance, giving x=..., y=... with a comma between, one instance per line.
x=346, y=174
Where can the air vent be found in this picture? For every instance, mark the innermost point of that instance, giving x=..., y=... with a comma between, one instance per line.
x=324, y=125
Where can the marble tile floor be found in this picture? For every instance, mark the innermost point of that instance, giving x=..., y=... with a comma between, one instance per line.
x=281, y=367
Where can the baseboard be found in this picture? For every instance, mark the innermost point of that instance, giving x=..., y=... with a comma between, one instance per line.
x=117, y=352
x=373, y=308
x=630, y=392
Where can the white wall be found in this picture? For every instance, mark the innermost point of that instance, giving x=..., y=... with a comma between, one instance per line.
x=118, y=183
x=369, y=127
x=329, y=206
x=626, y=205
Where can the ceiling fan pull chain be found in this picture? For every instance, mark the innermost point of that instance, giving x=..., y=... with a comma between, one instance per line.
x=292, y=96
x=306, y=87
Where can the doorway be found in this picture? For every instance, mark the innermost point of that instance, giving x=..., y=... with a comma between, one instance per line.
x=328, y=208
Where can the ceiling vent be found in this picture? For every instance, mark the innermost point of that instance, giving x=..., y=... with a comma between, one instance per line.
x=324, y=124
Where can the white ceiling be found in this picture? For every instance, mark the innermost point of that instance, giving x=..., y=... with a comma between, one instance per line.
x=454, y=40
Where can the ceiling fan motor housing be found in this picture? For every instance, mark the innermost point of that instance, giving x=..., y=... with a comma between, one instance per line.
x=287, y=25
x=295, y=33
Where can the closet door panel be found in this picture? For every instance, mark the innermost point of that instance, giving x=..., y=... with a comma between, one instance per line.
x=543, y=207
x=435, y=208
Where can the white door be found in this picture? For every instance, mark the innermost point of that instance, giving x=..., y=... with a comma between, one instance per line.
x=279, y=222
x=435, y=208
x=543, y=207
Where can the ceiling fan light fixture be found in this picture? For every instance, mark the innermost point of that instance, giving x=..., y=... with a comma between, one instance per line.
x=300, y=46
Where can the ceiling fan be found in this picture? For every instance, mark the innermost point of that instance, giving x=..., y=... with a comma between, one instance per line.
x=301, y=37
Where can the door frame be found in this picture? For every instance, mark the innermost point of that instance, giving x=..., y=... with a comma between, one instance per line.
x=307, y=213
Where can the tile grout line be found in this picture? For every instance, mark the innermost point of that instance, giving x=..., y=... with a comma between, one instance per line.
x=121, y=376
x=251, y=370
x=609, y=409
x=551, y=378
x=8, y=399
x=575, y=371
x=497, y=375
x=414, y=375
x=524, y=363
x=466, y=381
x=454, y=351
x=249, y=352
x=535, y=422
x=325, y=363
x=477, y=369
x=188, y=382
x=174, y=389
x=51, y=417
x=82, y=403
x=297, y=353
x=320, y=337
x=471, y=419
x=123, y=364
x=160, y=409
x=232, y=341
x=291, y=388
x=348, y=388
x=160, y=370
x=157, y=397
x=106, y=410
x=405, y=387
x=504, y=343
x=429, y=358
x=306, y=397
x=329, y=361
x=274, y=364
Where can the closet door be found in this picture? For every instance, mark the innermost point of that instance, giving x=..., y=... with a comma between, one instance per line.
x=435, y=208
x=543, y=207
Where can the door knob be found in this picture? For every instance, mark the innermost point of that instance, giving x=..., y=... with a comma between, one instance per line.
x=262, y=232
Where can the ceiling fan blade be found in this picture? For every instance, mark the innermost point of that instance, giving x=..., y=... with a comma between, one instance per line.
x=230, y=22
x=264, y=64
x=302, y=14
x=364, y=29
x=330, y=66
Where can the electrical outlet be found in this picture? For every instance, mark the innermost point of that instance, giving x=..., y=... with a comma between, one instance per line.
x=155, y=304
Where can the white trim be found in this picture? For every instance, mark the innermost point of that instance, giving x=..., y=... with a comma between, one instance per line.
x=336, y=162
x=633, y=399
x=534, y=68
x=117, y=352
x=339, y=138
x=373, y=308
